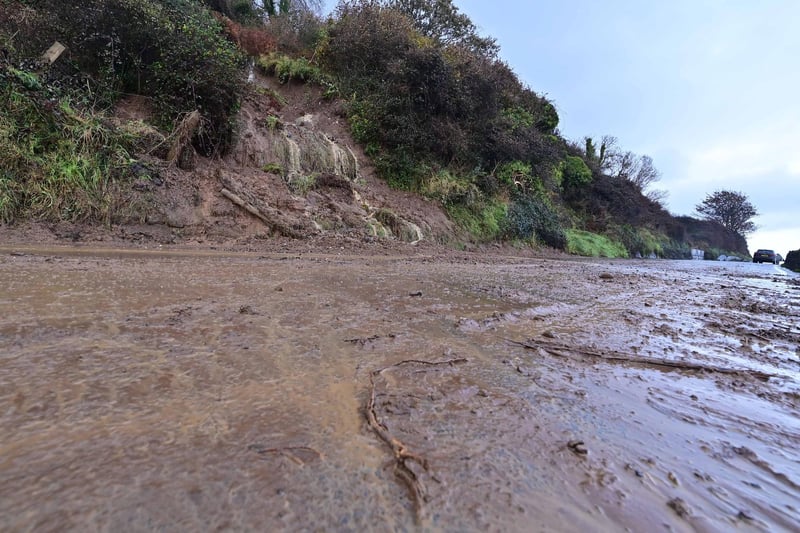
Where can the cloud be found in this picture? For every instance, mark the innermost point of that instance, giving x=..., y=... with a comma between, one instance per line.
x=746, y=156
x=782, y=240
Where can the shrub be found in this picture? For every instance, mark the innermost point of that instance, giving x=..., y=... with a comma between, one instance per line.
x=792, y=261
x=518, y=117
x=514, y=173
x=532, y=218
x=673, y=249
x=243, y=11
x=399, y=168
x=302, y=183
x=640, y=241
x=171, y=50
x=575, y=173
x=446, y=104
x=450, y=189
x=273, y=168
x=519, y=177
x=298, y=31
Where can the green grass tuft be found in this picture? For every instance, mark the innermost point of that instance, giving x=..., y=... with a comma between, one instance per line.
x=589, y=244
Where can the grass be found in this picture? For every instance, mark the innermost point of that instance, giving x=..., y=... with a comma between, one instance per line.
x=288, y=69
x=273, y=168
x=483, y=221
x=57, y=162
x=302, y=183
x=589, y=244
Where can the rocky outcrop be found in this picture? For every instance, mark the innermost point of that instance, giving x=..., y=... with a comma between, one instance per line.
x=296, y=150
x=792, y=261
x=317, y=172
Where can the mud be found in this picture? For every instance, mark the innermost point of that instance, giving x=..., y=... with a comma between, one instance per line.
x=195, y=391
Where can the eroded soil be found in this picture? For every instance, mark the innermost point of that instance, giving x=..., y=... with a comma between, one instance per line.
x=195, y=391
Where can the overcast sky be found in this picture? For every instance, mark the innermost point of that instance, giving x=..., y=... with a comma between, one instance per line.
x=710, y=89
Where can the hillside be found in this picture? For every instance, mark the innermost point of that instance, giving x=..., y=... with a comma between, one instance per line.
x=244, y=126
x=300, y=176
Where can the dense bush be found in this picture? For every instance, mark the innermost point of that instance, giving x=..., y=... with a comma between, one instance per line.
x=639, y=241
x=171, y=50
x=792, y=261
x=450, y=189
x=673, y=249
x=243, y=11
x=575, y=173
x=437, y=100
x=533, y=218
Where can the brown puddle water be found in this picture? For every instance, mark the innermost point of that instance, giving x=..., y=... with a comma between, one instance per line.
x=196, y=392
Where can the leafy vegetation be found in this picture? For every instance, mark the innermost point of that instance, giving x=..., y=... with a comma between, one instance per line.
x=424, y=93
x=531, y=218
x=589, y=244
x=484, y=220
x=56, y=162
x=792, y=261
x=288, y=69
x=170, y=50
x=414, y=89
x=575, y=173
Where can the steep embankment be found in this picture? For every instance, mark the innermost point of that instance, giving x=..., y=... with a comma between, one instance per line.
x=293, y=171
x=138, y=131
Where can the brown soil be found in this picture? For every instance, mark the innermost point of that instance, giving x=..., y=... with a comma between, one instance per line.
x=178, y=390
x=194, y=368
x=181, y=203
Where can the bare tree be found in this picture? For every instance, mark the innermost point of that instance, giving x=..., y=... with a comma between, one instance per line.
x=644, y=173
x=608, y=147
x=657, y=195
x=732, y=209
x=637, y=169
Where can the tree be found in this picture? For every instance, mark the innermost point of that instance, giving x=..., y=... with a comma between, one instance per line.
x=637, y=169
x=439, y=20
x=732, y=209
x=249, y=11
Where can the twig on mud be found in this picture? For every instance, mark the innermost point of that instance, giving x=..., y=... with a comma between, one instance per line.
x=558, y=350
x=450, y=362
x=361, y=341
x=756, y=336
x=402, y=456
x=285, y=451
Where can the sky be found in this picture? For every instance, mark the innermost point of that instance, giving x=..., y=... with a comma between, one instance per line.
x=710, y=89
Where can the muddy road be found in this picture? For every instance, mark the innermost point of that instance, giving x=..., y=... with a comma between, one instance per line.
x=203, y=391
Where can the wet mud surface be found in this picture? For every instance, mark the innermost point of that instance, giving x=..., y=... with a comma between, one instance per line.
x=189, y=391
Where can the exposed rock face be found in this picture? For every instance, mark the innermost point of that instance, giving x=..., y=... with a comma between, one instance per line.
x=792, y=261
x=294, y=171
x=298, y=149
x=302, y=162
